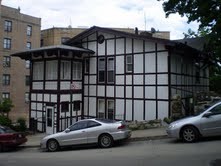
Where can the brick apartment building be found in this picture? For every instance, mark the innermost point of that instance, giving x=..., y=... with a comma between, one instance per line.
x=17, y=32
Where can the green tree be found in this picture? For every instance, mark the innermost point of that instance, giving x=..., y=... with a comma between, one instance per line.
x=5, y=106
x=207, y=13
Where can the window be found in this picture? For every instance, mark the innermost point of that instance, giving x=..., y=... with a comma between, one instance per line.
x=27, y=64
x=216, y=110
x=6, y=61
x=101, y=108
x=65, y=106
x=110, y=109
x=78, y=126
x=28, y=45
x=42, y=43
x=7, y=43
x=8, y=26
x=197, y=76
x=129, y=64
x=6, y=79
x=101, y=70
x=38, y=68
x=110, y=70
x=77, y=70
x=29, y=30
x=27, y=80
x=65, y=70
x=64, y=39
x=5, y=95
x=86, y=63
x=51, y=70
x=106, y=75
x=92, y=124
x=26, y=97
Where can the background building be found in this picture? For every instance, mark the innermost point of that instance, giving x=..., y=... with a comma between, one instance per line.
x=56, y=35
x=17, y=32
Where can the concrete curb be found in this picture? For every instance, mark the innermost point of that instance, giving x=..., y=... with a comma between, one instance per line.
x=135, y=139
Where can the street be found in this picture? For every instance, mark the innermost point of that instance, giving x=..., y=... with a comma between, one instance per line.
x=166, y=152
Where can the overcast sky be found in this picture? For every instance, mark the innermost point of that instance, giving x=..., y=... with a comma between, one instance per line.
x=104, y=13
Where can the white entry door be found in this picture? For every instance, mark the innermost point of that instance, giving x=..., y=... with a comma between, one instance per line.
x=50, y=120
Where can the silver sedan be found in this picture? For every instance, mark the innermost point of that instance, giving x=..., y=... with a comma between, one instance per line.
x=101, y=131
x=203, y=124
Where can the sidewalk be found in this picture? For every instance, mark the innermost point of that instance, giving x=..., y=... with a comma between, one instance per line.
x=137, y=135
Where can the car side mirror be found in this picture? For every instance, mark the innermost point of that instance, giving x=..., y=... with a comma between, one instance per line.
x=67, y=130
x=207, y=114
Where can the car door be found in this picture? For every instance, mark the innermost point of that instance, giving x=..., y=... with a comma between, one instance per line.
x=93, y=130
x=211, y=125
x=76, y=135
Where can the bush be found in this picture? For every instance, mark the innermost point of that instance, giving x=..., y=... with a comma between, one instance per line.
x=20, y=125
x=5, y=121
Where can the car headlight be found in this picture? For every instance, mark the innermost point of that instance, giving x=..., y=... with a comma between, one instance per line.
x=173, y=125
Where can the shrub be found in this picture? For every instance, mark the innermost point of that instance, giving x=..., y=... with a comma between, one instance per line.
x=21, y=125
x=5, y=121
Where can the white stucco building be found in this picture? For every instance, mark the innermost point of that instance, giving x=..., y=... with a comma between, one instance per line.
x=111, y=74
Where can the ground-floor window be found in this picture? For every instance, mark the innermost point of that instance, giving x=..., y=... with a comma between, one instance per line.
x=106, y=108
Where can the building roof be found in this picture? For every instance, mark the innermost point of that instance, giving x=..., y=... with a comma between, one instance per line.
x=27, y=53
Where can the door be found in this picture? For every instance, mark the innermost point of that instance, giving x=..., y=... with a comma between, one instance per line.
x=50, y=120
x=76, y=135
x=211, y=125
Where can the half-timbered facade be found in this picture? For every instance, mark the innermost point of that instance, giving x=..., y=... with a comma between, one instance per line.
x=111, y=74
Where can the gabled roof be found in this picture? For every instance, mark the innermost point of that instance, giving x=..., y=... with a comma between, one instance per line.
x=27, y=53
x=116, y=32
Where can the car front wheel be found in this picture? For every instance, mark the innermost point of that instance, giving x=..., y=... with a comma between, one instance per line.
x=105, y=141
x=52, y=145
x=189, y=134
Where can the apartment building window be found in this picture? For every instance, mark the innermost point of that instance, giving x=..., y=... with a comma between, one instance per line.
x=6, y=95
x=77, y=70
x=28, y=45
x=6, y=79
x=29, y=30
x=129, y=64
x=26, y=97
x=6, y=61
x=64, y=39
x=7, y=43
x=8, y=26
x=106, y=74
x=27, y=80
x=27, y=64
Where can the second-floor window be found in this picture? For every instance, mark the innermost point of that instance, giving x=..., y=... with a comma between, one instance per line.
x=8, y=26
x=38, y=70
x=106, y=73
x=6, y=61
x=29, y=30
x=7, y=43
x=65, y=70
x=6, y=79
x=77, y=70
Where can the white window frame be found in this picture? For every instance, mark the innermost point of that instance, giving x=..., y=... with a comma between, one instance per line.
x=110, y=68
x=6, y=95
x=29, y=30
x=65, y=72
x=7, y=43
x=8, y=26
x=129, y=64
x=77, y=71
x=6, y=61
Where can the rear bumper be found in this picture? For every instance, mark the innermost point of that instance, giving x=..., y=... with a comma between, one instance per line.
x=121, y=135
x=15, y=142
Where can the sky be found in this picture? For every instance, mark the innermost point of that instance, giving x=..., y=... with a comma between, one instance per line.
x=143, y=14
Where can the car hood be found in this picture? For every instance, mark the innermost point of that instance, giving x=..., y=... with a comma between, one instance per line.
x=189, y=119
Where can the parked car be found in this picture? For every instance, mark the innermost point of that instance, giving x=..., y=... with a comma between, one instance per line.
x=205, y=123
x=104, y=132
x=10, y=138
